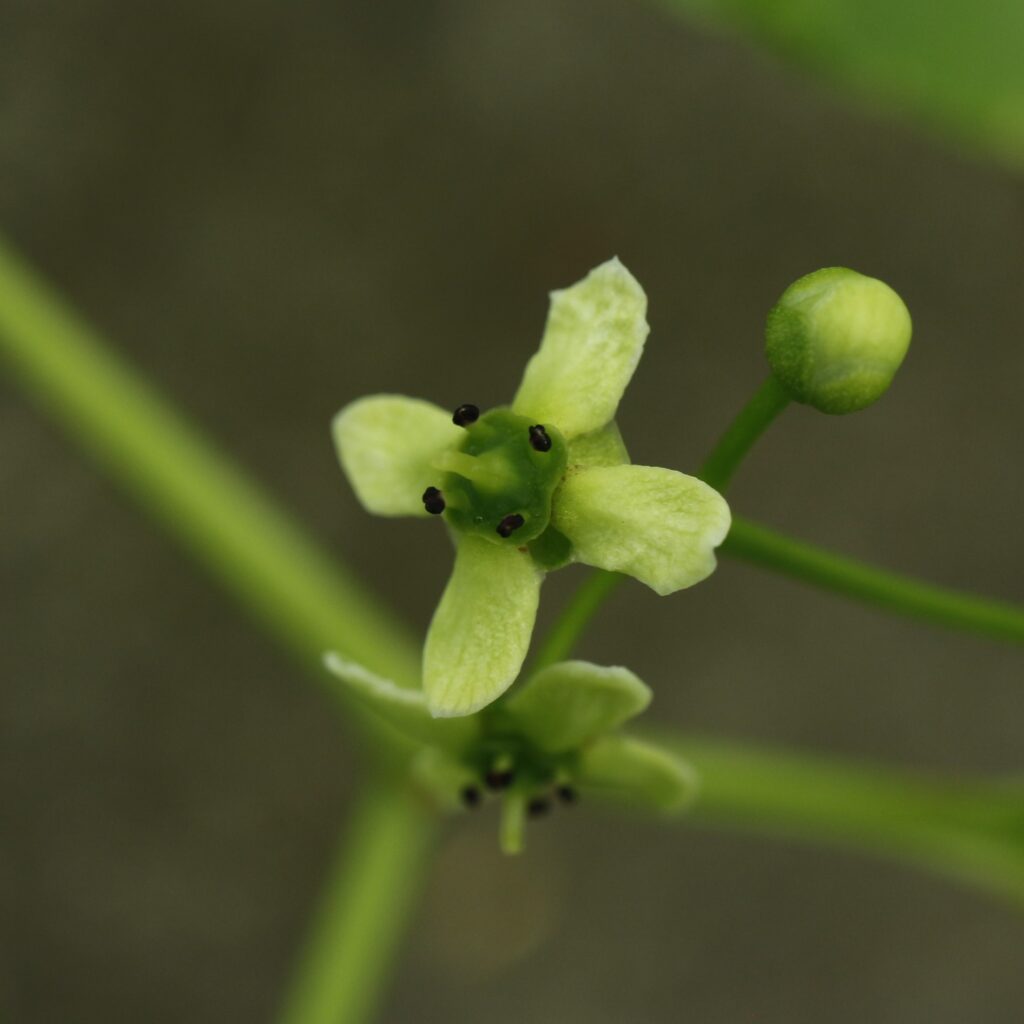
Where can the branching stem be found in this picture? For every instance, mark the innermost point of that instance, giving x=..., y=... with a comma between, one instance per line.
x=311, y=605
x=811, y=564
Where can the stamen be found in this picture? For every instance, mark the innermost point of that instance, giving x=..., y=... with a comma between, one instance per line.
x=539, y=439
x=566, y=794
x=510, y=524
x=499, y=778
x=465, y=414
x=433, y=501
x=470, y=796
x=538, y=807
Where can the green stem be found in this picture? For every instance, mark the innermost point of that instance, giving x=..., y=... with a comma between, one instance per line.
x=973, y=830
x=222, y=517
x=364, y=912
x=575, y=617
x=764, y=547
x=246, y=542
x=754, y=418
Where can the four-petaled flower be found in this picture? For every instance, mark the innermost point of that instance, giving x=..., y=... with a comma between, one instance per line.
x=531, y=487
x=556, y=736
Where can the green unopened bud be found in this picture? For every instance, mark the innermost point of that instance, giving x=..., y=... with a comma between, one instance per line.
x=836, y=338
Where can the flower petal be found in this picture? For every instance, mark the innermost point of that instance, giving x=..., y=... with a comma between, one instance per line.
x=603, y=447
x=386, y=444
x=402, y=708
x=593, y=339
x=655, y=524
x=636, y=773
x=567, y=704
x=481, y=630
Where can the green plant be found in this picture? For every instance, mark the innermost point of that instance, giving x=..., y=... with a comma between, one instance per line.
x=968, y=829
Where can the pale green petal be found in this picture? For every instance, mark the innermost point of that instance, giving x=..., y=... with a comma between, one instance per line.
x=481, y=630
x=593, y=339
x=402, y=708
x=386, y=444
x=603, y=447
x=567, y=704
x=637, y=773
x=655, y=524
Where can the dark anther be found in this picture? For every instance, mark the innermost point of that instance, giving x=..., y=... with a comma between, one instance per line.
x=465, y=414
x=499, y=778
x=566, y=794
x=538, y=807
x=539, y=439
x=433, y=501
x=510, y=524
x=470, y=796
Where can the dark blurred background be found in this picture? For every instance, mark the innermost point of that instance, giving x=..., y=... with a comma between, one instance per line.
x=275, y=208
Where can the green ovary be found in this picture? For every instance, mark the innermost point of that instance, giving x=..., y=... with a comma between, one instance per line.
x=497, y=473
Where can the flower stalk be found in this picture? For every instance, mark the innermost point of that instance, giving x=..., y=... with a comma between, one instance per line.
x=890, y=591
x=753, y=420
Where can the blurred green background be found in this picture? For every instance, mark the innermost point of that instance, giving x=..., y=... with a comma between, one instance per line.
x=276, y=208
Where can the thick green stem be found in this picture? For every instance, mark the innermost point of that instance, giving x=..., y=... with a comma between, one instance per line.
x=364, y=911
x=196, y=493
x=973, y=830
x=754, y=418
x=303, y=596
x=764, y=547
x=221, y=516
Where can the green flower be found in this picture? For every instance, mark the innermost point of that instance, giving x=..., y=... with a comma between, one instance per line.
x=555, y=738
x=531, y=487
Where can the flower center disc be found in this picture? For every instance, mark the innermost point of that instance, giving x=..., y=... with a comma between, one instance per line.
x=499, y=483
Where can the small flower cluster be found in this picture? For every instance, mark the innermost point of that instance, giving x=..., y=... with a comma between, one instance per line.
x=546, y=481
x=525, y=490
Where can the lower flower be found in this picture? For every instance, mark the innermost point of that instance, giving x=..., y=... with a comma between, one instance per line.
x=555, y=738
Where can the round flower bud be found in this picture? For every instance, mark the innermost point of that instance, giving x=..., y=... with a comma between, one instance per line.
x=836, y=338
